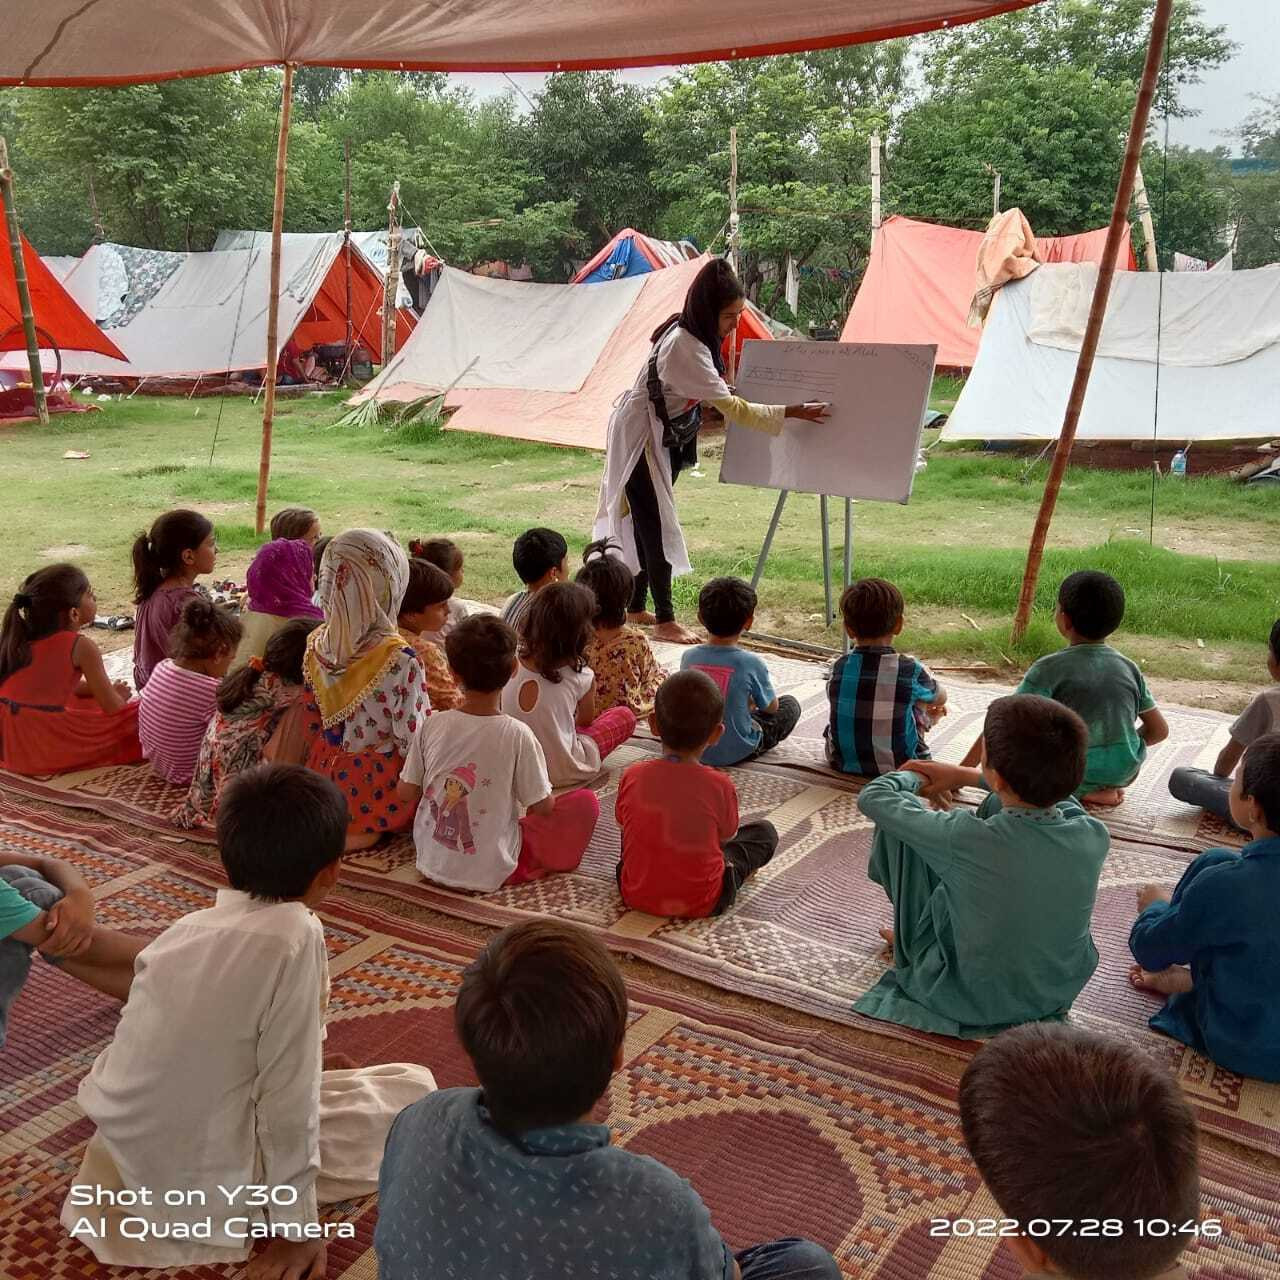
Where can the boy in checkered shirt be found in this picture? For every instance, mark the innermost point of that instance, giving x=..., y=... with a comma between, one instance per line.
x=882, y=701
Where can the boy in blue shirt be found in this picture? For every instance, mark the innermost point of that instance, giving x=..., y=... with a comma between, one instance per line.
x=514, y=1179
x=881, y=700
x=755, y=718
x=1212, y=947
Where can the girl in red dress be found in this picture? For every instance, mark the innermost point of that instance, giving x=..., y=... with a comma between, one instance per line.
x=58, y=710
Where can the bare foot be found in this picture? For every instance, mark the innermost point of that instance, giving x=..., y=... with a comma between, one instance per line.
x=1106, y=798
x=363, y=840
x=1165, y=982
x=886, y=952
x=642, y=619
x=675, y=633
x=339, y=1062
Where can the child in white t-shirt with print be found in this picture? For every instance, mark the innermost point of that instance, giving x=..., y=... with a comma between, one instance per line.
x=553, y=690
x=487, y=817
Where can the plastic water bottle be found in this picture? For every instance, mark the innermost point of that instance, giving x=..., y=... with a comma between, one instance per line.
x=1178, y=467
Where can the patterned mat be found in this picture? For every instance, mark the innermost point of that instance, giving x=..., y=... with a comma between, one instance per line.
x=862, y=1147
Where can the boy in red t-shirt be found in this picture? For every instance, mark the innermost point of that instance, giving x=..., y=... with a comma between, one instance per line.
x=683, y=853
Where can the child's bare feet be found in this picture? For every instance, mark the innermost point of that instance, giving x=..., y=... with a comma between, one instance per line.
x=338, y=1062
x=642, y=619
x=1105, y=798
x=1165, y=982
x=886, y=952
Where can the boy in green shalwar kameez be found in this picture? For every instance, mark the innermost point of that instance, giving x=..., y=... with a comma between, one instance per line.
x=991, y=910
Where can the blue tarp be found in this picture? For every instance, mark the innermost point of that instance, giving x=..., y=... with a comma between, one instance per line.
x=624, y=261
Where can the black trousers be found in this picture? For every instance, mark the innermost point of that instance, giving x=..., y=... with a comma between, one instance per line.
x=646, y=518
x=776, y=725
x=747, y=852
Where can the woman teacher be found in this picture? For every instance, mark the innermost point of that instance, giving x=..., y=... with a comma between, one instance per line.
x=653, y=435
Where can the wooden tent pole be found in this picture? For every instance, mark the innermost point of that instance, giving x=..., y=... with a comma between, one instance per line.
x=24, y=290
x=1116, y=232
x=273, y=299
x=733, y=198
x=875, y=186
x=391, y=283
x=1142, y=203
x=346, y=236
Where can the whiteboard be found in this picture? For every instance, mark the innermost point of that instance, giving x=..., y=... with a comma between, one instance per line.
x=869, y=445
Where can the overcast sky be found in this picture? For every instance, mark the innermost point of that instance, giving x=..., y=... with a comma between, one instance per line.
x=1222, y=100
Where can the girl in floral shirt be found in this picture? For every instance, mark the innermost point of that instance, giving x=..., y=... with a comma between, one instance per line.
x=365, y=684
x=627, y=673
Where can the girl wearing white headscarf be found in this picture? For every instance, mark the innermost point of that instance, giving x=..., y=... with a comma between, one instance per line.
x=366, y=687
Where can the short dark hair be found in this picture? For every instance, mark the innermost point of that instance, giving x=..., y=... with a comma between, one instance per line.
x=293, y=523
x=1037, y=746
x=871, y=607
x=317, y=552
x=279, y=826
x=607, y=577
x=688, y=707
x=444, y=553
x=1093, y=603
x=1260, y=776
x=1065, y=1123
x=428, y=585
x=481, y=650
x=536, y=552
x=1273, y=641
x=541, y=1013
x=203, y=631
x=725, y=604
x=557, y=628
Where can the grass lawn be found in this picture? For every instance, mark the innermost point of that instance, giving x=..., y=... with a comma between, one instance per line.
x=1202, y=596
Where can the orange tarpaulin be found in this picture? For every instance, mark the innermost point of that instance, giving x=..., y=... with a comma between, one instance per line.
x=70, y=42
x=58, y=317
x=920, y=281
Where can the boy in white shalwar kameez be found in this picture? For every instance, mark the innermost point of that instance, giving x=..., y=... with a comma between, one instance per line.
x=214, y=1078
x=653, y=434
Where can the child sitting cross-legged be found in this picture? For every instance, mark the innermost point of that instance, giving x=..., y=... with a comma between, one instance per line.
x=627, y=674
x=882, y=701
x=683, y=853
x=424, y=611
x=1212, y=947
x=259, y=718
x=179, y=701
x=755, y=718
x=59, y=711
x=553, y=689
x=215, y=1075
x=1104, y=687
x=516, y=1178
x=1212, y=789
x=473, y=772
x=539, y=557
x=991, y=909
x=1091, y=1136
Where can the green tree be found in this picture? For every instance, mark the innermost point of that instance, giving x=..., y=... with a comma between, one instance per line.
x=585, y=142
x=1191, y=201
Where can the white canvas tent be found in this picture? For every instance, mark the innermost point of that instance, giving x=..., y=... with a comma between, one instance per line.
x=1218, y=346
x=190, y=315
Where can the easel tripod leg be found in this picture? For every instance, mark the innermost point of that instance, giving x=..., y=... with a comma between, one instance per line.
x=824, y=515
x=848, y=553
x=768, y=538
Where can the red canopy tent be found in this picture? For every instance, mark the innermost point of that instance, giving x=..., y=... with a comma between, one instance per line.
x=59, y=319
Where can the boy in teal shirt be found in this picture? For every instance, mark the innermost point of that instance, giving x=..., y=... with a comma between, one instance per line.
x=1102, y=686
x=991, y=910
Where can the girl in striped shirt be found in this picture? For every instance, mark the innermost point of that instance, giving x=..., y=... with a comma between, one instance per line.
x=179, y=699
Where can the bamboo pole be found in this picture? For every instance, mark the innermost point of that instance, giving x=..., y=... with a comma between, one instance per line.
x=346, y=238
x=876, y=213
x=1143, y=204
x=1116, y=232
x=733, y=198
x=273, y=299
x=24, y=290
x=391, y=283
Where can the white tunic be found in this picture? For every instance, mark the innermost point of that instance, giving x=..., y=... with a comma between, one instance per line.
x=688, y=375
x=213, y=1080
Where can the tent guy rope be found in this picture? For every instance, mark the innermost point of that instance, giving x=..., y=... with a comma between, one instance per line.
x=20, y=283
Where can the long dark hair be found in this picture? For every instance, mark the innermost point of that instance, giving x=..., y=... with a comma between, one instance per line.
x=557, y=628
x=607, y=577
x=203, y=631
x=39, y=608
x=283, y=657
x=714, y=288
x=157, y=554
